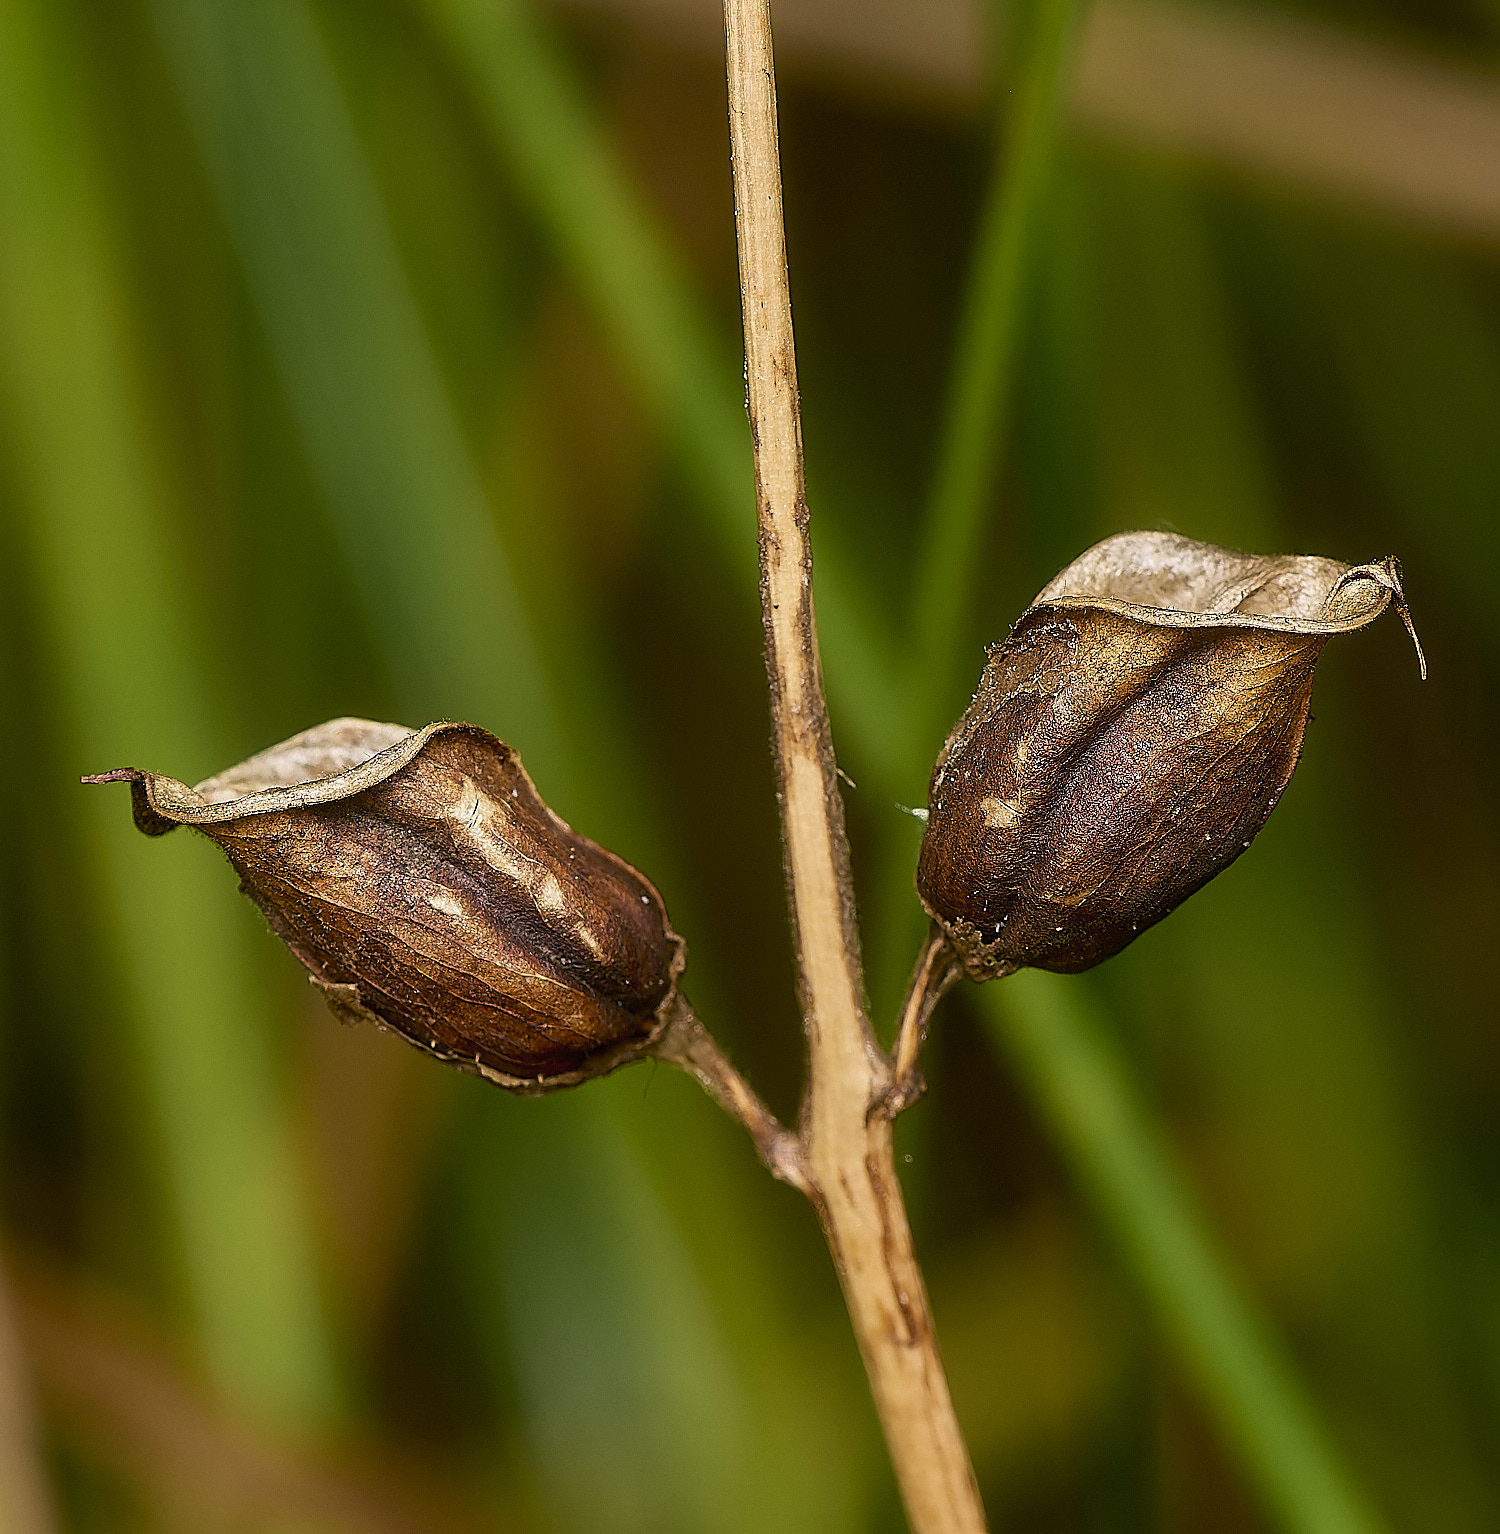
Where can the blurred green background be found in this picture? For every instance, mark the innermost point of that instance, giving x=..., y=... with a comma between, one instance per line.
x=381, y=357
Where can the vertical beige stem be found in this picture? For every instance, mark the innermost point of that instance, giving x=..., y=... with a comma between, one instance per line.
x=846, y=1128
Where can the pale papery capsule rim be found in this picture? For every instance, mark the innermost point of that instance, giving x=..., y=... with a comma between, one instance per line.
x=1382, y=577
x=173, y=801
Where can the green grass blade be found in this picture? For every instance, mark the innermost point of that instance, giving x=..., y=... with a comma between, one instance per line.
x=975, y=422
x=1047, y=1031
x=299, y=198
x=948, y=570
x=622, y=261
x=582, y=1282
x=127, y=652
x=609, y=242
x=405, y=498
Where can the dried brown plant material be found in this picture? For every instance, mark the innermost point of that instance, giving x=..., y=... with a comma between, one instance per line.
x=427, y=888
x=1126, y=743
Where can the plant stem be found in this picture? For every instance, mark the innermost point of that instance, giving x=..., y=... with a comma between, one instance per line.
x=687, y=1044
x=846, y=1139
x=937, y=971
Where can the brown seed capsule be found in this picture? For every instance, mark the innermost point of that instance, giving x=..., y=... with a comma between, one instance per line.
x=1126, y=743
x=427, y=888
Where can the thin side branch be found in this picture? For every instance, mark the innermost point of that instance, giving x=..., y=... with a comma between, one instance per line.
x=688, y=1045
x=937, y=972
x=846, y=1140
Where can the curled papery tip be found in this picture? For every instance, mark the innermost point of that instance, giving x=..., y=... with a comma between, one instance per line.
x=1386, y=574
x=1398, y=597
x=1411, y=629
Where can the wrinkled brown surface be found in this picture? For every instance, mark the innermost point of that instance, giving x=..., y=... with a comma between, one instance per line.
x=424, y=884
x=1126, y=743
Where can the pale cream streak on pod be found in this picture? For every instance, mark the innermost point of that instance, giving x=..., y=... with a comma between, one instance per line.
x=999, y=813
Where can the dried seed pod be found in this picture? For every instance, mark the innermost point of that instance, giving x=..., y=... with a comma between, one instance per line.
x=1126, y=743
x=427, y=888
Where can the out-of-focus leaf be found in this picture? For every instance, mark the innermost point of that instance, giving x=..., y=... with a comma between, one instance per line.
x=1281, y=1047
x=635, y=1405
x=105, y=565
x=1177, y=437
x=974, y=430
x=612, y=245
x=976, y=422
x=1412, y=345
x=108, y=1375
x=303, y=210
x=1050, y=1037
x=300, y=201
x=1262, y=1004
